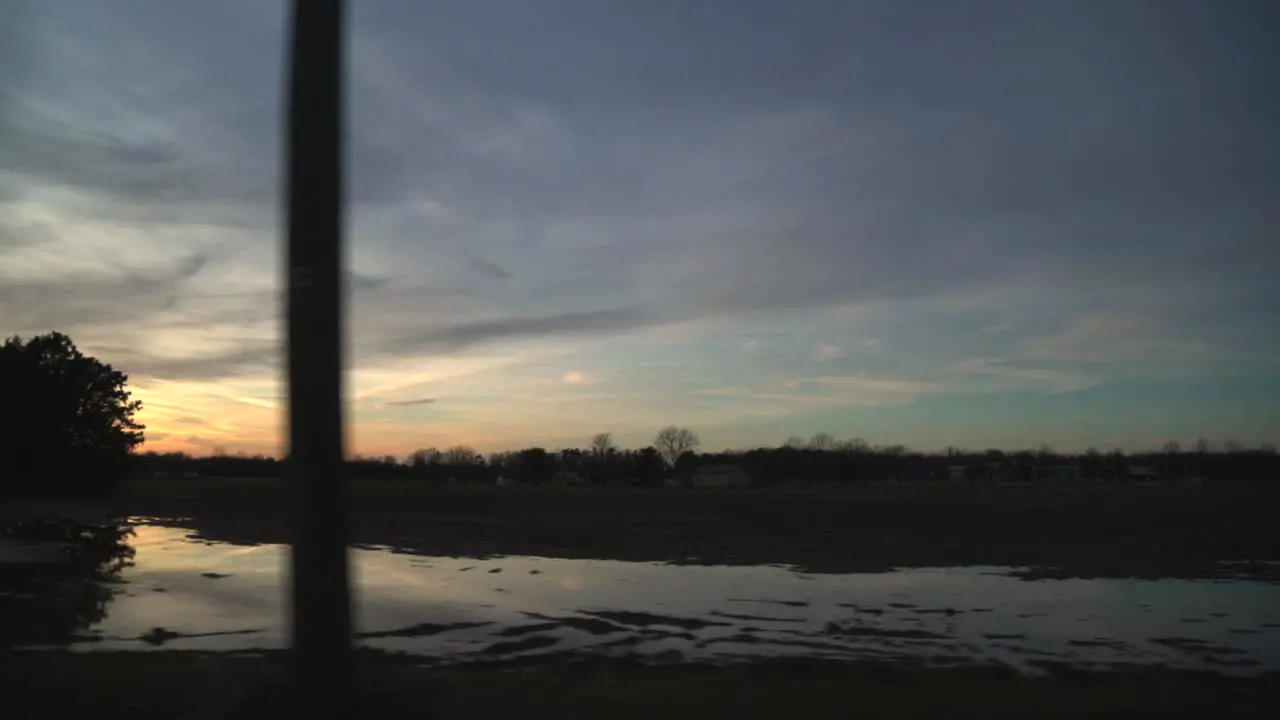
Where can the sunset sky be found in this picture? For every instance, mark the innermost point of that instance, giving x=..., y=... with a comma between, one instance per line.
x=969, y=223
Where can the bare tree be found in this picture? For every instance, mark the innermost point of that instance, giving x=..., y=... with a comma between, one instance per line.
x=822, y=441
x=460, y=455
x=795, y=442
x=1173, y=447
x=602, y=444
x=424, y=457
x=672, y=442
x=1232, y=446
x=1202, y=446
x=856, y=445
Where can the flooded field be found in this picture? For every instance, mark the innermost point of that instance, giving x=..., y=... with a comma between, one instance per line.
x=166, y=587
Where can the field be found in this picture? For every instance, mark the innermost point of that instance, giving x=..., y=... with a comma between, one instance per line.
x=1077, y=531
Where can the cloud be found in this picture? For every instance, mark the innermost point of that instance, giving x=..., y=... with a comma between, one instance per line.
x=1000, y=375
x=825, y=352
x=989, y=209
x=973, y=376
x=42, y=148
x=251, y=361
x=862, y=389
x=404, y=403
x=1095, y=339
x=1127, y=342
x=88, y=299
x=490, y=269
x=574, y=377
x=458, y=336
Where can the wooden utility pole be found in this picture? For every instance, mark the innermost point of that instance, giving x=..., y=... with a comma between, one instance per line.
x=321, y=605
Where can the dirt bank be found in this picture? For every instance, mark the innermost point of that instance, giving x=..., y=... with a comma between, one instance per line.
x=1112, y=532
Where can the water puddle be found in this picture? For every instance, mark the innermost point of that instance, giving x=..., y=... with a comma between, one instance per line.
x=166, y=589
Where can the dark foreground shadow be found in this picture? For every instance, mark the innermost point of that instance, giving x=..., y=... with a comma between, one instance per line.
x=200, y=685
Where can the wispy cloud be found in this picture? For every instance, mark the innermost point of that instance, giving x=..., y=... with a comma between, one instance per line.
x=405, y=403
x=1005, y=376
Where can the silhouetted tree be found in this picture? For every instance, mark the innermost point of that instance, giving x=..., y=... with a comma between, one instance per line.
x=647, y=465
x=858, y=445
x=461, y=455
x=685, y=464
x=535, y=466
x=672, y=442
x=602, y=444
x=73, y=427
x=571, y=460
x=822, y=442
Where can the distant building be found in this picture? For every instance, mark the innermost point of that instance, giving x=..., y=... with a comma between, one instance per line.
x=720, y=476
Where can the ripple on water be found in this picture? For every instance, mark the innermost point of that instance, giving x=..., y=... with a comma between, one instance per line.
x=439, y=607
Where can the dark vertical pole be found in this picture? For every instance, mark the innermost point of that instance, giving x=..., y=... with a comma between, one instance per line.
x=321, y=611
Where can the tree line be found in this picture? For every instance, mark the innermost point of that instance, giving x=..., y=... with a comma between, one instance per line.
x=77, y=433
x=673, y=457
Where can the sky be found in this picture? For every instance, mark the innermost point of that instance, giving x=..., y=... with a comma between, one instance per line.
x=979, y=224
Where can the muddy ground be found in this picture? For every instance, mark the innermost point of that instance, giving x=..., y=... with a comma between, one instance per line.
x=1076, y=532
